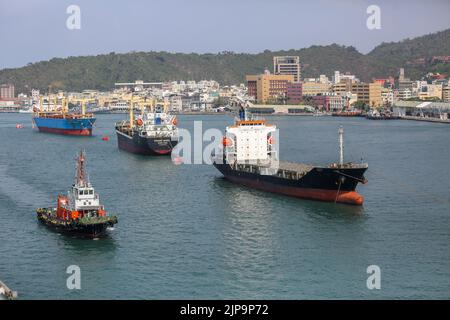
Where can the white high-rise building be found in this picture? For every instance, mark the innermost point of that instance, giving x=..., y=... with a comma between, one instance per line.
x=337, y=77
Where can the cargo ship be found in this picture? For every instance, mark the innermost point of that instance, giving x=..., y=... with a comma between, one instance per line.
x=151, y=133
x=250, y=157
x=80, y=212
x=59, y=120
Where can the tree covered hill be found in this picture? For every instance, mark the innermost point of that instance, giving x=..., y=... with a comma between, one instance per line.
x=102, y=71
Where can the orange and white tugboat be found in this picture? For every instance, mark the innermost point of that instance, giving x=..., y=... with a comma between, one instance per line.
x=80, y=212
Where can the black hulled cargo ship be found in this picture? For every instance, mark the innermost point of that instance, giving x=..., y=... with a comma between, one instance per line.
x=152, y=133
x=250, y=158
x=80, y=212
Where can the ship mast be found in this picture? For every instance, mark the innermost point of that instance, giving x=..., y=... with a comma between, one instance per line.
x=341, y=145
x=81, y=176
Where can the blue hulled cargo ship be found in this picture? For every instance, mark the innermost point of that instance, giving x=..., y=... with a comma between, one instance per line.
x=69, y=124
x=58, y=119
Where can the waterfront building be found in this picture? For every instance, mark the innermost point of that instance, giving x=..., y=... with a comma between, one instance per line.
x=313, y=88
x=337, y=77
x=350, y=77
x=280, y=109
x=446, y=93
x=268, y=87
x=430, y=109
x=35, y=95
x=329, y=102
x=430, y=91
x=387, y=96
x=175, y=103
x=369, y=93
x=401, y=75
x=287, y=65
x=294, y=92
x=402, y=94
x=323, y=79
x=342, y=87
x=7, y=91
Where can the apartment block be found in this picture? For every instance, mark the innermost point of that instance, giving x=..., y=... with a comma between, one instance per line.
x=311, y=88
x=446, y=93
x=268, y=87
x=287, y=65
x=7, y=91
x=294, y=92
x=369, y=93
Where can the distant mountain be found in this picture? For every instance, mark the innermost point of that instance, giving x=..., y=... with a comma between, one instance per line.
x=416, y=55
x=102, y=71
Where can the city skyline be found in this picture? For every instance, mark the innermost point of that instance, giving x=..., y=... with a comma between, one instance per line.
x=203, y=26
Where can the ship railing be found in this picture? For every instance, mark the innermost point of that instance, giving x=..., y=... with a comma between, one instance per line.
x=158, y=134
x=348, y=165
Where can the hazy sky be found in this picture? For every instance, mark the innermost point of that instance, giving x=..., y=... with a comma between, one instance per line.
x=36, y=30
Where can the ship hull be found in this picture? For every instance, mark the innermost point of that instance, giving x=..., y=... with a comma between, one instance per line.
x=67, y=126
x=145, y=145
x=94, y=230
x=323, y=184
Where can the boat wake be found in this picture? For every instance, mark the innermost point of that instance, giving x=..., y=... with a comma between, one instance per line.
x=14, y=189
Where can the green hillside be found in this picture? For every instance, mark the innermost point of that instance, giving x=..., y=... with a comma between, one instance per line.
x=102, y=71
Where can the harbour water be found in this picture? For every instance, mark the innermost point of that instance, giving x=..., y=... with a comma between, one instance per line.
x=184, y=232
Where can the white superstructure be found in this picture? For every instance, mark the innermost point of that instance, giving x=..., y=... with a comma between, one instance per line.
x=251, y=142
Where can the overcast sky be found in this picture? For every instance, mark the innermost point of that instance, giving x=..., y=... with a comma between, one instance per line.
x=36, y=30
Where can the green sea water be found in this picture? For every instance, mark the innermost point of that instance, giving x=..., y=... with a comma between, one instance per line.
x=186, y=233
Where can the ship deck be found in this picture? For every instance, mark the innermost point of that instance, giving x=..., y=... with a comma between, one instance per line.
x=297, y=167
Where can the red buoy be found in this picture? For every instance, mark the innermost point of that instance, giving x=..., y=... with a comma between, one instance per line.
x=177, y=160
x=105, y=138
x=19, y=126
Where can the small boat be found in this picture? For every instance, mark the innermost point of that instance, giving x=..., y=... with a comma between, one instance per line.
x=80, y=212
x=27, y=110
x=6, y=293
x=381, y=115
x=347, y=113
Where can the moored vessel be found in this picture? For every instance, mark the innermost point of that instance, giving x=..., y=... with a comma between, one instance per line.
x=348, y=113
x=374, y=114
x=250, y=158
x=80, y=212
x=58, y=120
x=151, y=133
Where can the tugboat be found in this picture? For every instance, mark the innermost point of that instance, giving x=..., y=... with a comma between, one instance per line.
x=152, y=133
x=80, y=212
x=61, y=121
x=250, y=158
